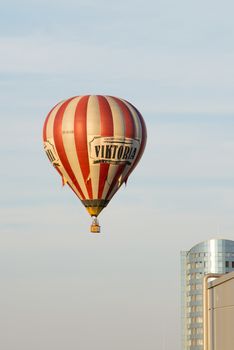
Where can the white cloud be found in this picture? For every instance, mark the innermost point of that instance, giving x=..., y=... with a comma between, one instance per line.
x=174, y=81
x=173, y=70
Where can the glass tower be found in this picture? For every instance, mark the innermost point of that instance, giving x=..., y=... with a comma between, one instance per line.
x=213, y=256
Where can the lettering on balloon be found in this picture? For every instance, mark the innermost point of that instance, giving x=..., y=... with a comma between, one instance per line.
x=113, y=150
x=51, y=153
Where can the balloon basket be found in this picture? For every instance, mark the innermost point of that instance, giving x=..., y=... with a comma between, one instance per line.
x=95, y=227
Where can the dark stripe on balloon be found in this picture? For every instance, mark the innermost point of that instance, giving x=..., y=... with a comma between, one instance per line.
x=143, y=137
x=72, y=189
x=143, y=142
x=46, y=122
x=80, y=135
x=44, y=128
x=107, y=129
x=58, y=140
x=130, y=132
x=119, y=172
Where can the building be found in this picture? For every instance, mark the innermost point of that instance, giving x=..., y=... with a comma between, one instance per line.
x=212, y=256
x=220, y=313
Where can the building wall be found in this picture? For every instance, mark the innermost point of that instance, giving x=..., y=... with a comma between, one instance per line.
x=213, y=256
x=221, y=313
x=183, y=299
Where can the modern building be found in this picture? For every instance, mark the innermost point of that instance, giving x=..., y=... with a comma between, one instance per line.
x=219, y=295
x=212, y=256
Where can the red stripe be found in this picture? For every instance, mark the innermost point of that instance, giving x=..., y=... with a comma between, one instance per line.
x=115, y=180
x=143, y=142
x=46, y=122
x=80, y=134
x=143, y=137
x=130, y=131
x=107, y=129
x=128, y=119
x=58, y=140
x=45, y=126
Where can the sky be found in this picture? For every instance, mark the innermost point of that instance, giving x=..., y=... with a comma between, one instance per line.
x=61, y=287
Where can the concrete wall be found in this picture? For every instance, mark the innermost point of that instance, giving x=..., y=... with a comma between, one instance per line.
x=221, y=313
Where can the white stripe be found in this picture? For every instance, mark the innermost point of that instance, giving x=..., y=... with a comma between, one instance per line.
x=117, y=185
x=50, y=122
x=118, y=117
x=136, y=119
x=69, y=143
x=138, y=135
x=50, y=135
x=138, y=128
x=119, y=131
x=93, y=130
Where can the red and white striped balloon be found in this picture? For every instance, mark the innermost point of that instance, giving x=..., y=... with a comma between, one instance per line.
x=94, y=142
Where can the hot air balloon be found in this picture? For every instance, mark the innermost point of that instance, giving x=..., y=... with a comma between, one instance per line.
x=94, y=142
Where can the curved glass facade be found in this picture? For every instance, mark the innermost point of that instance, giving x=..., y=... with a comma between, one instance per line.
x=213, y=256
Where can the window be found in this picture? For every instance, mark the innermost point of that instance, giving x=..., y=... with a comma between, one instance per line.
x=233, y=264
x=199, y=330
x=198, y=286
x=226, y=263
x=199, y=308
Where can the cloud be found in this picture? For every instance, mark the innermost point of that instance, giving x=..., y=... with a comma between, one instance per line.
x=184, y=82
x=51, y=55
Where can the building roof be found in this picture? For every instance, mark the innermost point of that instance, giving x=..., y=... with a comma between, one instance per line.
x=204, y=246
x=226, y=277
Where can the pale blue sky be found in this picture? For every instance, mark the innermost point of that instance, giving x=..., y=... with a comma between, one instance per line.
x=61, y=287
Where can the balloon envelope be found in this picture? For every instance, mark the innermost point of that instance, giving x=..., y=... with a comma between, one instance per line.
x=94, y=142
